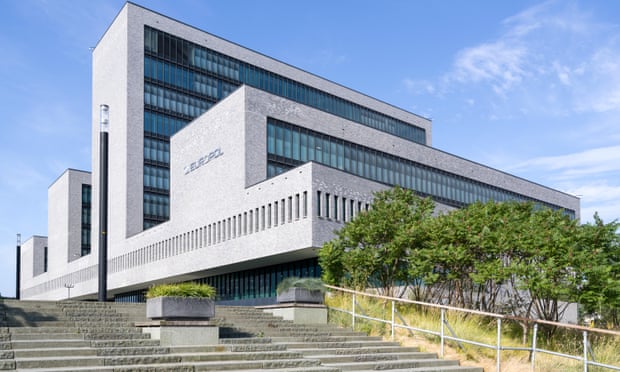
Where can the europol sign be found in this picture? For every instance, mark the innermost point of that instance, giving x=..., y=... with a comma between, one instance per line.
x=203, y=160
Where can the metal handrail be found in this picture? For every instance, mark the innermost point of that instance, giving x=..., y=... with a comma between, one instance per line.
x=533, y=349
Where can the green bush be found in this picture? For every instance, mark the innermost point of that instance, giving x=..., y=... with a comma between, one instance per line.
x=189, y=289
x=311, y=284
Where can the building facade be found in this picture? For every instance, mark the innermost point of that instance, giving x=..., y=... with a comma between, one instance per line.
x=232, y=168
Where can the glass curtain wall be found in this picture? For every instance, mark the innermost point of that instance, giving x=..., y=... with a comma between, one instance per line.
x=247, y=284
x=86, y=220
x=182, y=80
x=289, y=146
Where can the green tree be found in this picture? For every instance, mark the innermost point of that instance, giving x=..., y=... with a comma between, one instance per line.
x=466, y=260
x=373, y=249
x=599, y=252
x=545, y=264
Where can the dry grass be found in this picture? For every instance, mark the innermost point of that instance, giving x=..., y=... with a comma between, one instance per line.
x=606, y=350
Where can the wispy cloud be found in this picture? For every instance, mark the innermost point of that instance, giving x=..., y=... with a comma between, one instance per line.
x=559, y=54
x=579, y=164
x=590, y=174
x=500, y=64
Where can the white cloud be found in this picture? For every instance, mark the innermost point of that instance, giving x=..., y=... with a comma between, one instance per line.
x=553, y=58
x=596, y=192
x=563, y=73
x=500, y=63
x=592, y=161
x=420, y=86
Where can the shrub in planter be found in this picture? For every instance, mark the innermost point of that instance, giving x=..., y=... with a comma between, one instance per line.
x=301, y=290
x=180, y=301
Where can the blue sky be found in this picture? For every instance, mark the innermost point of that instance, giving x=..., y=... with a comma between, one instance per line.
x=528, y=87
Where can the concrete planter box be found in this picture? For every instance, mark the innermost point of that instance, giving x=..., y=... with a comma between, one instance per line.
x=300, y=295
x=180, y=308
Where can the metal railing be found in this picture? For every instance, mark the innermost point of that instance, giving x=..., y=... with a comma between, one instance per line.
x=586, y=358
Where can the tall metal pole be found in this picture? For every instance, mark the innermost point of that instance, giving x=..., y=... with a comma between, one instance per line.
x=104, y=121
x=18, y=266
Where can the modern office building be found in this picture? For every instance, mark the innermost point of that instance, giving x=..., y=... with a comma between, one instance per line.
x=232, y=168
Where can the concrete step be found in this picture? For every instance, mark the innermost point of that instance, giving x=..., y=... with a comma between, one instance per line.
x=123, y=343
x=7, y=364
x=55, y=352
x=312, y=338
x=230, y=356
x=392, y=364
x=25, y=330
x=248, y=340
x=295, y=345
x=47, y=323
x=355, y=350
x=41, y=344
x=454, y=368
x=116, y=336
x=164, y=363
x=248, y=366
x=56, y=362
x=105, y=329
x=330, y=358
x=96, y=318
x=114, y=324
x=102, y=338
x=46, y=336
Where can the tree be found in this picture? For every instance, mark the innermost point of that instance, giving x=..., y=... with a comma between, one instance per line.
x=373, y=249
x=599, y=253
x=546, y=265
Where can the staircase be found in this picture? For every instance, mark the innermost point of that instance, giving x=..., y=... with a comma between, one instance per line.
x=92, y=336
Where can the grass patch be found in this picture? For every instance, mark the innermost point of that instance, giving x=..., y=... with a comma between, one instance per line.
x=605, y=348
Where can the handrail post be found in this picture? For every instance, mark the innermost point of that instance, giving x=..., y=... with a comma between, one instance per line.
x=585, y=351
x=498, y=366
x=353, y=312
x=441, y=332
x=393, y=320
x=534, y=335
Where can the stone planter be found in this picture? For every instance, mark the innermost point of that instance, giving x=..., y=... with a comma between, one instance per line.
x=300, y=295
x=180, y=308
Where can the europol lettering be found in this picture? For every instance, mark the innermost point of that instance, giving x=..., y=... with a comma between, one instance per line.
x=204, y=160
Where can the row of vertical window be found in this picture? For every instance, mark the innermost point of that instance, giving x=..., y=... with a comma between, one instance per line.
x=45, y=258
x=161, y=125
x=278, y=212
x=170, y=48
x=180, y=77
x=338, y=208
x=185, y=79
x=157, y=131
x=247, y=284
x=156, y=208
x=86, y=194
x=85, y=241
x=171, y=101
x=261, y=282
x=156, y=177
x=86, y=216
x=291, y=145
x=156, y=150
x=74, y=278
x=215, y=63
x=85, y=245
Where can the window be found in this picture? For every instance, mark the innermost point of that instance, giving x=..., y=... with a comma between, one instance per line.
x=45, y=259
x=448, y=188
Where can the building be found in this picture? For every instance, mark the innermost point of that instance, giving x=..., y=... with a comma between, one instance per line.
x=232, y=168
